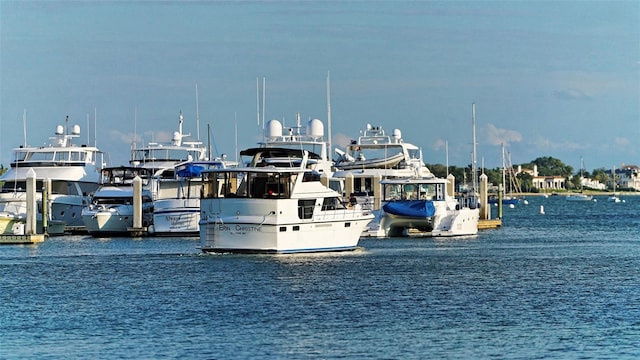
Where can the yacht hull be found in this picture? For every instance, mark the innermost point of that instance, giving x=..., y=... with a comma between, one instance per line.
x=253, y=227
x=176, y=217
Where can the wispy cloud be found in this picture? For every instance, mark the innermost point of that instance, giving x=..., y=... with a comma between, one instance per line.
x=438, y=145
x=340, y=140
x=495, y=136
x=571, y=94
x=622, y=142
x=542, y=143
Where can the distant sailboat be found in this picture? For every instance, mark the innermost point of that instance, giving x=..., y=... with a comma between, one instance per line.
x=614, y=197
x=580, y=196
x=513, y=183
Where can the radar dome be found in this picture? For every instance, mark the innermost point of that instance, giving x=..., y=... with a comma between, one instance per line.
x=315, y=128
x=76, y=129
x=397, y=134
x=176, y=136
x=59, y=130
x=274, y=129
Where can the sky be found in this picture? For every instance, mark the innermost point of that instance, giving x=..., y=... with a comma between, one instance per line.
x=548, y=78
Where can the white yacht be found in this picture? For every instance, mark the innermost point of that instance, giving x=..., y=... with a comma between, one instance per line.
x=275, y=209
x=111, y=210
x=422, y=207
x=375, y=156
x=74, y=173
x=176, y=208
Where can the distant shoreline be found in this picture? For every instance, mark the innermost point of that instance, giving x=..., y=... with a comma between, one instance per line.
x=593, y=193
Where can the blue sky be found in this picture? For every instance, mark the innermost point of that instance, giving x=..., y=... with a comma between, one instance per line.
x=558, y=79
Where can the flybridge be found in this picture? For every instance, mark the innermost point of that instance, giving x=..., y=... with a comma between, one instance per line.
x=376, y=135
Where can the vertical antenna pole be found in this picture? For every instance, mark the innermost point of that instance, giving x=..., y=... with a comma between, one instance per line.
x=329, y=150
x=197, y=115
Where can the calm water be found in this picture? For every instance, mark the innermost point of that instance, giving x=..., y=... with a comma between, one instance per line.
x=561, y=285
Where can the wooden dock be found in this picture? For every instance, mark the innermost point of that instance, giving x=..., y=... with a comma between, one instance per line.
x=21, y=239
x=489, y=224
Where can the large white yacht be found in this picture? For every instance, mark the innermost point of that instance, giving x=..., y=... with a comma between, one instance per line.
x=74, y=173
x=262, y=207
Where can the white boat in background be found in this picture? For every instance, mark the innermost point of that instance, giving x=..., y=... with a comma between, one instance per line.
x=176, y=208
x=580, y=196
x=111, y=209
x=614, y=197
x=422, y=207
x=74, y=173
x=267, y=209
x=162, y=156
x=376, y=156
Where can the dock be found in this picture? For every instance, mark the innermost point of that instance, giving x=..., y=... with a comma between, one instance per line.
x=21, y=239
x=489, y=224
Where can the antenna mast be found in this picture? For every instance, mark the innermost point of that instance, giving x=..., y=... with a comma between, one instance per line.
x=24, y=126
x=264, y=99
x=95, y=127
x=197, y=115
x=329, y=150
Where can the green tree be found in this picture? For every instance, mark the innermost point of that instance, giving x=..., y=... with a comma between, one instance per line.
x=549, y=166
x=526, y=182
x=574, y=182
x=600, y=175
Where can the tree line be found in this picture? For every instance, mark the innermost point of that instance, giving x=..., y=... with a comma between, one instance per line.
x=547, y=166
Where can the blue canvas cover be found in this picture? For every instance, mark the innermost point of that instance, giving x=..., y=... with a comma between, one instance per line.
x=190, y=171
x=411, y=208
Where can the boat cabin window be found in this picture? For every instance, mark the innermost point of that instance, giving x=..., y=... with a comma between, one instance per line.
x=305, y=208
x=124, y=176
x=62, y=156
x=332, y=203
x=57, y=187
x=363, y=186
x=41, y=156
x=77, y=156
x=430, y=192
x=20, y=156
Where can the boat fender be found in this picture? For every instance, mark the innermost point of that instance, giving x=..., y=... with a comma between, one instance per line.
x=151, y=229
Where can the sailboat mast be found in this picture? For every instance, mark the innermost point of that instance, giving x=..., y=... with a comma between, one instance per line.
x=504, y=176
x=474, y=179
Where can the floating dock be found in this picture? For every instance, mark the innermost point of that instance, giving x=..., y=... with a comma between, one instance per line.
x=21, y=239
x=489, y=224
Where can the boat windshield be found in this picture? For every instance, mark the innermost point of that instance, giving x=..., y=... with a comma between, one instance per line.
x=166, y=154
x=262, y=185
x=395, y=191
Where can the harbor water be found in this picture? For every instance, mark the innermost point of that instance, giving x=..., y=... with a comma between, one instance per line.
x=563, y=284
